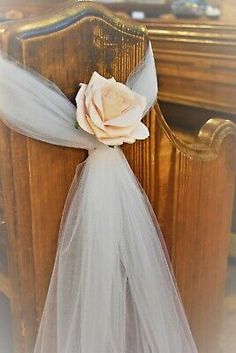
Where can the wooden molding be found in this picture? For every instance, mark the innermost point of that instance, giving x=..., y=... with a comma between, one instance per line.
x=150, y=9
x=196, y=63
x=209, y=140
x=66, y=16
x=205, y=33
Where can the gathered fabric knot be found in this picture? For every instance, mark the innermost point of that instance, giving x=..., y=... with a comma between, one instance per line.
x=102, y=147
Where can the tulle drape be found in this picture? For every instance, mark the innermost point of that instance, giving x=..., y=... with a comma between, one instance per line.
x=111, y=290
x=34, y=106
x=111, y=281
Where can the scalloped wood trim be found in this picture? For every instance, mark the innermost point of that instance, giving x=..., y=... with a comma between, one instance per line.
x=72, y=13
x=209, y=140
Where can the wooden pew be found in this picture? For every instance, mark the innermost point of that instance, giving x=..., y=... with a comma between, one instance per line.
x=197, y=65
x=190, y=184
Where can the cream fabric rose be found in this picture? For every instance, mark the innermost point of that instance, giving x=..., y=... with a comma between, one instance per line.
x=111, y=111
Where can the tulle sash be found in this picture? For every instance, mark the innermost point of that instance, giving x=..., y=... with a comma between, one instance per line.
x=111, y=290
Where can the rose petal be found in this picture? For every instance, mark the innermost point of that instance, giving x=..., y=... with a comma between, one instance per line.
x=111, y=79
x=98, y=79
x=141, y=132
x=104, y=98
x=81, y=111
x=89, y=101
x=132, y=116
x=112, y=141
x=81, y=92
x=129, y=140
x=112, y=132
x=110, y=107
x=94, y=116
x=96, y=130
x=115, y=131
x=116, y=100
x=123, y=88
x=97, y=101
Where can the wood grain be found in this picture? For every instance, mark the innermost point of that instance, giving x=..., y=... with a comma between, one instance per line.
x=198, y=199
x=66, y=48
x=196, y=64
x=190, y=185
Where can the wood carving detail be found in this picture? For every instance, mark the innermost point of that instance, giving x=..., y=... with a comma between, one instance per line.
x=182, y=180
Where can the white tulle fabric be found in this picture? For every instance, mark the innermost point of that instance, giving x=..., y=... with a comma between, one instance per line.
x=112, y=289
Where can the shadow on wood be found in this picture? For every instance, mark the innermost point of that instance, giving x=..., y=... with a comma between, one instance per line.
x=190, y=186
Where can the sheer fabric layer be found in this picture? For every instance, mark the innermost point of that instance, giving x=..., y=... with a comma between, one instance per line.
x=111, y=288
x=35, y=107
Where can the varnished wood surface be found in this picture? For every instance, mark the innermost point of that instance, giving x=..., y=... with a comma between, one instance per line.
x=196, y=59
x=5, y=325
x=190, y=184
x=196, y=64
x=26, y=8
x=150, y=9
x=196, y=195
x=3, y=237
x=66, y=48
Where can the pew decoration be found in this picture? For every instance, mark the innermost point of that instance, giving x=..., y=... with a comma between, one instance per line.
x=112, y=288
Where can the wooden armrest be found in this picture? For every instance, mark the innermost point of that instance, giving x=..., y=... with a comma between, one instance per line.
x=209, y=139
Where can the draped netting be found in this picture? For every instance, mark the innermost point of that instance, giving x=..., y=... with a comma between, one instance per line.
x=112, y=289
